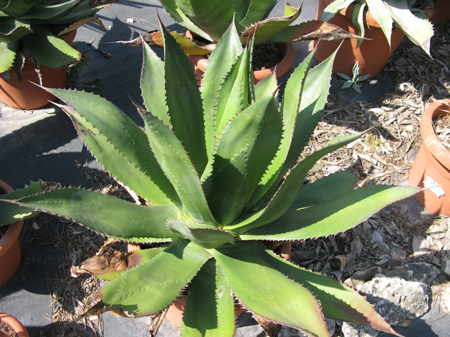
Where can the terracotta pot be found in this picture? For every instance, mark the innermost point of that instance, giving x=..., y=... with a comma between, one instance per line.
x=175, y=312
x=30, y=96
x=18, y=328
x=432, y=164
x=372, y=55
x=287, y=55
x=10, y=254
x=442, y=14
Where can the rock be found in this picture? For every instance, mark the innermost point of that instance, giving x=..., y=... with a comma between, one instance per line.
x=397, y=253
x=395, y=299
x=446, y=298
x=445, y=259
x=420, y=272
x=420, y=246
x=360, y=277
x=438, y=230
x=377, y=237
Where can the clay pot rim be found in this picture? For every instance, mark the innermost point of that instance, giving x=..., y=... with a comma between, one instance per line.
x=348, y=12
x=369, y=19
x=14, y=229
x=432, y=142
x=14, y=323
x=285, y=48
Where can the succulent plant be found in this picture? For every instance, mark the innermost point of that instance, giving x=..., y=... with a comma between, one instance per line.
x=209, y=19
x=412, y=21
x=33, y=27
x=216, y=173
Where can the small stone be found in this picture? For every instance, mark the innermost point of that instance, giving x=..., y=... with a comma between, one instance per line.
x=360, y=277
x=397, y=253
x=420, y=246
x=446, y=297
x=377, y=237
x=445, y=259
x=438, y=230
x=395, y=299
x=421, y=272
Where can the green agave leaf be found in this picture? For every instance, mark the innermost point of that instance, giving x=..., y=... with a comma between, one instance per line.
x=379, y=11
x=252, y=281
x=324, y=189
x=358, y=20
x=48, y=49
x=267, y=87
x=154, y=285
x=107, y=215
x=177, y=14
x=44, y=12
x=18, y=8
x=206, y=238
x=256, y=12
x=178, y=168
x=233, y=96
x=245, y=149
x=11, y=212
x=240, y=9
x=7, y=55
x=219, y=64
x=338, y=301
x=135, y=259
x=12, y=30
x=82, y=10
x=418, y=30
x=264, y=30
x=331, y=217
x=186, y=114
x=310, y=100
x=333, y=8
x=288, y=191
x=311, y=30
x=118, y=144
x=214, y=19
x=209, y=307
x=289, y=109
x=153, y=85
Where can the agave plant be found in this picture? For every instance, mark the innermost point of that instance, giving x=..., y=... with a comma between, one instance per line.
x=216, y=173
x=209, y=19
x=412, y=21
x=33, y=27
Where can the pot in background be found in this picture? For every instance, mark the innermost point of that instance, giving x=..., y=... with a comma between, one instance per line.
x=442, y=13
x=372, y=55
x=287, y=59
x=10, y=254
x=431, y=168
x=30, y=96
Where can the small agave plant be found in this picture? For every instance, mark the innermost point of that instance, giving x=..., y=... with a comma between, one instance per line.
x=218, y=173
x=33, y=28
x=389, y=14
x=209, y=19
